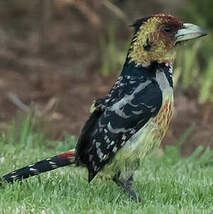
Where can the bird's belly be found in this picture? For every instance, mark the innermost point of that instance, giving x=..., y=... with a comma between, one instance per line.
x=140, y=144
x=152, y=133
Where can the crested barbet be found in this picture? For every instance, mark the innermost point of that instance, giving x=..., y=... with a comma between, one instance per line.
x=133, y=118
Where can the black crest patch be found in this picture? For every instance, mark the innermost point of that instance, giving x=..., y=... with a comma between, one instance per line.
x=136, y=25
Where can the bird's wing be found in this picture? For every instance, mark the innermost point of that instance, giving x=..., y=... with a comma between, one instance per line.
x=127, y=108
x=97, y=108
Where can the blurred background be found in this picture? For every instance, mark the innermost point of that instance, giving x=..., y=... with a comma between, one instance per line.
x=57, y=56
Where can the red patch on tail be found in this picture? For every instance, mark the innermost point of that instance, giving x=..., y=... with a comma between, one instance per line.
x=67, y=155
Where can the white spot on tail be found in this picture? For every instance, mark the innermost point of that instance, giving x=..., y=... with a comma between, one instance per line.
x=33, y=170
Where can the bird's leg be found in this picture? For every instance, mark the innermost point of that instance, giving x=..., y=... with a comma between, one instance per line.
x=126, y=185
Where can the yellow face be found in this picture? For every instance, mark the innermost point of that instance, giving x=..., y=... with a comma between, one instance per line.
x=155, y=40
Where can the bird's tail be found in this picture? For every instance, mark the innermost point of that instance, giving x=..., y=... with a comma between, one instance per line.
x=67, y=158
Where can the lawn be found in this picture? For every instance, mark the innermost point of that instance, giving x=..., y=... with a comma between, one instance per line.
x=167, y=182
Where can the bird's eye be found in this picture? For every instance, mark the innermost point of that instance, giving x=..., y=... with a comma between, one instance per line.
x=167, y=29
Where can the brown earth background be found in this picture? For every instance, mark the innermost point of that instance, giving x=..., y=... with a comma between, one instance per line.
x=51, y=60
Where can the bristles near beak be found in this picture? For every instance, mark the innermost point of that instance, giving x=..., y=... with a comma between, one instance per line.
x=188, y=32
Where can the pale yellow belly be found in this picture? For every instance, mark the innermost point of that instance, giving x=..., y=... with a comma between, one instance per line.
x=138, y=146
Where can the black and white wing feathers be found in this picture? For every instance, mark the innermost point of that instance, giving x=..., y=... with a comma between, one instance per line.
x=127, y=108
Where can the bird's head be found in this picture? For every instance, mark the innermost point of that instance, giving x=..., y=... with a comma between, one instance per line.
x=157, y=36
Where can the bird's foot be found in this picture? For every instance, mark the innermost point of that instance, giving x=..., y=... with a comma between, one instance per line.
x=126, y=185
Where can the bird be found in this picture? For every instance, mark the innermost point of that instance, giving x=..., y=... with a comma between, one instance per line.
x=132, y=119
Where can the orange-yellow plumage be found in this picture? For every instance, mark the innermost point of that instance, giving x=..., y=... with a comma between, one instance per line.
x=162, y=45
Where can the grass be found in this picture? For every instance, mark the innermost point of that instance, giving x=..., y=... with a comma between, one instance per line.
x=167, y=183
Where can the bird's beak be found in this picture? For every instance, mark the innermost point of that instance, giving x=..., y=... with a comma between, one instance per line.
x=188, y=32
